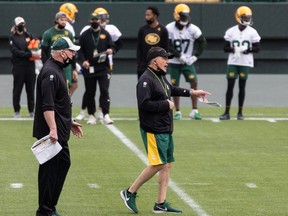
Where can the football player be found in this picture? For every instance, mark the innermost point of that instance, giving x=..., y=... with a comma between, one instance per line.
x=71, y=12
x=182, y=37
x=241, y=41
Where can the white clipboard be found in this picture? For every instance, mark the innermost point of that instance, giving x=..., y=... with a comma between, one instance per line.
x=44, y=149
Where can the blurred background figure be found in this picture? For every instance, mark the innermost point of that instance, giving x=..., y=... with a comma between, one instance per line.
x=182, y=37
x=71, y=12
x=96, y=45
x=50, y=36
x=23, y=56
x=150, y=35
x=241, y=41
x=116, y=37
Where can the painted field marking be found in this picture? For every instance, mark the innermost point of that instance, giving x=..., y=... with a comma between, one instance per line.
x=93, y=185
x=181, y=193
x=251, y=185
x=16, y=185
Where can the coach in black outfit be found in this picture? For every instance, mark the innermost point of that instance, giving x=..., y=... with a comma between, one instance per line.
x=53, y=117
x=96, y=45
x=23, y=68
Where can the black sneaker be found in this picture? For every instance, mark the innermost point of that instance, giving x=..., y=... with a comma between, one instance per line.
x=165, y=208
x=129, y=200
x=225, y=116
x=240, y=116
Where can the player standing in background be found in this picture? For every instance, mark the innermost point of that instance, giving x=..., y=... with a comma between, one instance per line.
x=117, y=44
x=50, y=36
x=241, y=41
x=182, y=37
x=71, y=12
x=149, y=35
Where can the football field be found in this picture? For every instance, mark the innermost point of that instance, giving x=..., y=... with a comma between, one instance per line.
x=222, y=168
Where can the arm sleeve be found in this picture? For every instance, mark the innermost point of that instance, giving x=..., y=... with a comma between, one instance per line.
x=255, y=48
x=227, y=47
x=117, y=45
x=201, y=44
x=172, y=50
x=144, y=98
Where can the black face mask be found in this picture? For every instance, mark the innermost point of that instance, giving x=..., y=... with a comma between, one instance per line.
x=60, y=26
x=149, y=22
x=20, y=28
x=67, y=62
x=95, y=25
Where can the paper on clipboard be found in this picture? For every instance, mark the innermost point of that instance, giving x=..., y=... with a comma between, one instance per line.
x=44, y=149
x=210, y=103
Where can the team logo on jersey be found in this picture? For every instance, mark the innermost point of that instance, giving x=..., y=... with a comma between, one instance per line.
x=152, y=39
x=102, y=36
x=144, y=84
x=51, y=77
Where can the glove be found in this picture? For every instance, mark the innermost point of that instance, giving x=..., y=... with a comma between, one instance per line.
x=183, y=59
x=237, y=52
x=190, y=60
x=243, y=49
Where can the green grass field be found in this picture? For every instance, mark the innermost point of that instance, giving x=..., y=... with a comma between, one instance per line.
x=229, y=168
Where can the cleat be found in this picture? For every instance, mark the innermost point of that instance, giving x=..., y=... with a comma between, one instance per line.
x=225, y=116
x=194, y=114
x=240, y=116
x=177, y=115
x=91, y=120
x=165, y=208
x=129, y=200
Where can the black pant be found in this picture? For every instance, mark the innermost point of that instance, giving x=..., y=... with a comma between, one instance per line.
x=90, y=92
x=51, y=178
x=23, y=75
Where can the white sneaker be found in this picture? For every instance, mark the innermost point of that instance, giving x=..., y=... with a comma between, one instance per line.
x=99, y=115
x=91, y=120
x=17, y=115
x=107, y=120
x=81, y=116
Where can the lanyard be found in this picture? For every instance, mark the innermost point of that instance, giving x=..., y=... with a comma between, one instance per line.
x=162, y=83
x=95, y=40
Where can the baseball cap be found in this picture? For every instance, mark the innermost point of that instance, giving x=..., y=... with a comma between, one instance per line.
x=19, y=20
x=158, y=51
x=60, y=15
x=64, y=43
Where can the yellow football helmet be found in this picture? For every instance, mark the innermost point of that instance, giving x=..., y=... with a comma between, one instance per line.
x=182, y=14
x=102, y=14
x=243, y=16
x=70, y=10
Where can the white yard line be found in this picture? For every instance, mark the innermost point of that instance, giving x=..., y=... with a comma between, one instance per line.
x=183, y=119
x=181, y=193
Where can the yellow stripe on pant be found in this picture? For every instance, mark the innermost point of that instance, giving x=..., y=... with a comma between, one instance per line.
x=153, y=154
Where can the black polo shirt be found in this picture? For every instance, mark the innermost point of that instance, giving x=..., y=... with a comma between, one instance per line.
x=52, y=95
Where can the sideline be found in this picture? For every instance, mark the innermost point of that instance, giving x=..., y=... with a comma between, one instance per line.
x=181, y=193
